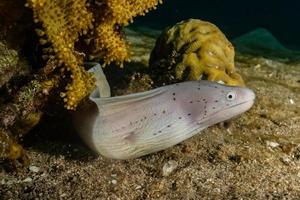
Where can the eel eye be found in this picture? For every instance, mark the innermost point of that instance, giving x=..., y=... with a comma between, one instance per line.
x=231, y=96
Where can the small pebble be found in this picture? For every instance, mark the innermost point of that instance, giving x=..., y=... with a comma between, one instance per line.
x=217, y=190
x=9, y=182
x=221, y=82
x=138, y=187
x=257, y=66
x=114, y=182
x=286, y=160
x=44, y=174
x=27, y=180
x=63, y=195
x=272, y=144
x=169, y=167
x=34, y=168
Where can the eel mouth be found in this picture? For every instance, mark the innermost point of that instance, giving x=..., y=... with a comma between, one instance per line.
x=245, y=104
x=239, y=109
x=249, y=103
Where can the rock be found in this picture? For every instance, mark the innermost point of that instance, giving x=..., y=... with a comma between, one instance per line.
x=169, y=167
x=272, y=144
x=34, y=168
x=27, y=180
x=8, y=63
x=138, y=187
x=286, y=160
x=292, y=101
x=63, y=195
x=261, y=42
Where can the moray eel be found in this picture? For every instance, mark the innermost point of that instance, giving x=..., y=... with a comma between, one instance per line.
x=134, y=125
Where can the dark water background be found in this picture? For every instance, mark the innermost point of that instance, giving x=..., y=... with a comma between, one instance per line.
x=233, y=17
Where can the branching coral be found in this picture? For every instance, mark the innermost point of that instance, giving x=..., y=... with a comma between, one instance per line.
x=108, y=42
x=64, y=21
x=193, y=49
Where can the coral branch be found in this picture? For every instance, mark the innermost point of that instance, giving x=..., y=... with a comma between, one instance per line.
x=63, y=22
x=108, y=42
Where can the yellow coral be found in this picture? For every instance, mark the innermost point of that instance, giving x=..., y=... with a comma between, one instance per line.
x=109, y=45
x=108, y=41
x=63, y=22
x=198, y=48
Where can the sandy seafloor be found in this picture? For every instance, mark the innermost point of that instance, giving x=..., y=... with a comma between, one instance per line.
x=255, y=156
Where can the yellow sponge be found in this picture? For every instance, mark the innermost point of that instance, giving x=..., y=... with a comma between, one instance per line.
x=192, y=50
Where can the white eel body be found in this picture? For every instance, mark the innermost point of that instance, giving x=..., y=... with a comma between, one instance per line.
x=134, y=125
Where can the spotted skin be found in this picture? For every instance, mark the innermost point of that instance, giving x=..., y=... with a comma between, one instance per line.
x=131, y=126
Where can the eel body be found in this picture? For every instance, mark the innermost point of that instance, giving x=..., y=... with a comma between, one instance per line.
x=134, y=125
